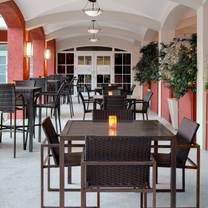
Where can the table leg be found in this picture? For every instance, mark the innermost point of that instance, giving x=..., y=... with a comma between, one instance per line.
x=173, y=173
x=61, y=193
x=69, y=168
x=40, y=116
x=31, y=120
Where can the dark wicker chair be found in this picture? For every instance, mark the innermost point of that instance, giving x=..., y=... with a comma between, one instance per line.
x=53, y=104
x=122, y=115
x=145, y=104
x=85, y=104
x=23, y=83
x=114, y=103
x=117, y=164
x=52, y=145
x=184, y=142
x=9, y=105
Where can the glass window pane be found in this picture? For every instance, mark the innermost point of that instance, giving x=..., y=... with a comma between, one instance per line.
x=118, y=59
x=127, y=79
x=106, y=79
x=61, y=69
x=88, y=60
x=2, y=59
x=127, y=69
x=100, y=60
x=118, y=69
x=70, y=69
x=107, y=60
x=99, y=78
x=118, y=79
x=69, y=58
x=80, y=60
x=81, y=78
x=127, y=59
x=61, y=58
x=87, y=78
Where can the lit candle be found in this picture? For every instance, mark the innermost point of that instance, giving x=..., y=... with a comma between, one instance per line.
x=112, y=122
x=112, y=132
x=110, y=93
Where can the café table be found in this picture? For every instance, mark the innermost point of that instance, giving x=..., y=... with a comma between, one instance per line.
x=29, y=94
x=129, y=98
x=78, y=130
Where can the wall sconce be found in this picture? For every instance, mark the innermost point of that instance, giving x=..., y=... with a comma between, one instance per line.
x=47, y=54
x=28, y=49
x=112, y=122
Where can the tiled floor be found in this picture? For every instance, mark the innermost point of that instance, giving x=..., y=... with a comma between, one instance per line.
x=20, y=179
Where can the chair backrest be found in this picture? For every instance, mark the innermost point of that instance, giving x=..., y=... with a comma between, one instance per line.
x=185, y=136
x=23, y=83
x=52, y=138
x=83, y=101
x=88, y=90
x=59, y=93
x=114, y=103
x=118, y=149
x=132, y=89
x=40, y=82
x=7, y=98
x=147, y=98
x=122, y=115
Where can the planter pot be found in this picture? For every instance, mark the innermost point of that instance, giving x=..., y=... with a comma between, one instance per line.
x=173, y=109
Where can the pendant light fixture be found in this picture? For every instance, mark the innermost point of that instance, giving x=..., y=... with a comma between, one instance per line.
x=93, y=39
x=92, y=9
x=93, y=29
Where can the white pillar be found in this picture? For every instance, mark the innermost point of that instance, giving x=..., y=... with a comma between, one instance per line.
x=202, y=59
x=165, y=36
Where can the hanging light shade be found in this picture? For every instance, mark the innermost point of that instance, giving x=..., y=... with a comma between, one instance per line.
x=93, y=39
x=92, y=29
x=92, y=9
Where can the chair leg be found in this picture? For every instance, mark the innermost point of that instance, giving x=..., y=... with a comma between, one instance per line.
x=145, y=200
x=198, y=179
x=23, y=121
x=59, y=118
x=39, y=127
x=42, y=180
x=56, y=124
x=1, y=126
x=183, y=180
x=10, y=124
x=84, y=116
x=147, y=116
x=141, y=200
x=15, y=119
x=98, y=199
x=143, y=116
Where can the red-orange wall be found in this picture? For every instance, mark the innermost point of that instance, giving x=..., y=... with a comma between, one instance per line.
x=187, y=107
x=51, y=63
x=165, y=94
x=154, y=99
x=3, y=35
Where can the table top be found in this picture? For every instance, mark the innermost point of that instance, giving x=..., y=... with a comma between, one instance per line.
x=27, y=89
x=77, y=130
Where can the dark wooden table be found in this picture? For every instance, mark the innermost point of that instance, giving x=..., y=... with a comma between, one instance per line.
x=78, y=130
x=29, y=94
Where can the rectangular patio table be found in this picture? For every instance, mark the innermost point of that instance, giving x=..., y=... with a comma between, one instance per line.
x=29, y=94
x=78, y=130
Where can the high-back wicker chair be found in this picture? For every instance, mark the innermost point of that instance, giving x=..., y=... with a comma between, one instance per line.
x=117, y=164
x=52, y=145
x=145, y=104
x=122, y=115
x=23, y=83
x=184, y=142
x=8, y=105
x=114, y=103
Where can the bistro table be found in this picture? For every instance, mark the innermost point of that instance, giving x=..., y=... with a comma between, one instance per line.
x=130, y=99
x=78, y=130
x=29, y=94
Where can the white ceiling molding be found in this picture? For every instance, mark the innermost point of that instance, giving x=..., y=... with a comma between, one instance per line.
x=149, y=36
x=194, y=4
x=106, y=16
x=71, y=31
x=103, y=41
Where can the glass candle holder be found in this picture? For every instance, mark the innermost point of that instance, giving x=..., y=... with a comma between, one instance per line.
x=110, y=93
x=112, y=122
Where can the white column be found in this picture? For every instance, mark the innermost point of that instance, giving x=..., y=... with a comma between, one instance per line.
x=202, y=59
x=165, y=36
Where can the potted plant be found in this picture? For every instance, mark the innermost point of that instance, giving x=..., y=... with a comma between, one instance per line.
x=147, y=69
x=178, y=68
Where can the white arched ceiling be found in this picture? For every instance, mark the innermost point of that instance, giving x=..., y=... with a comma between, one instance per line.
x=131, y=20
